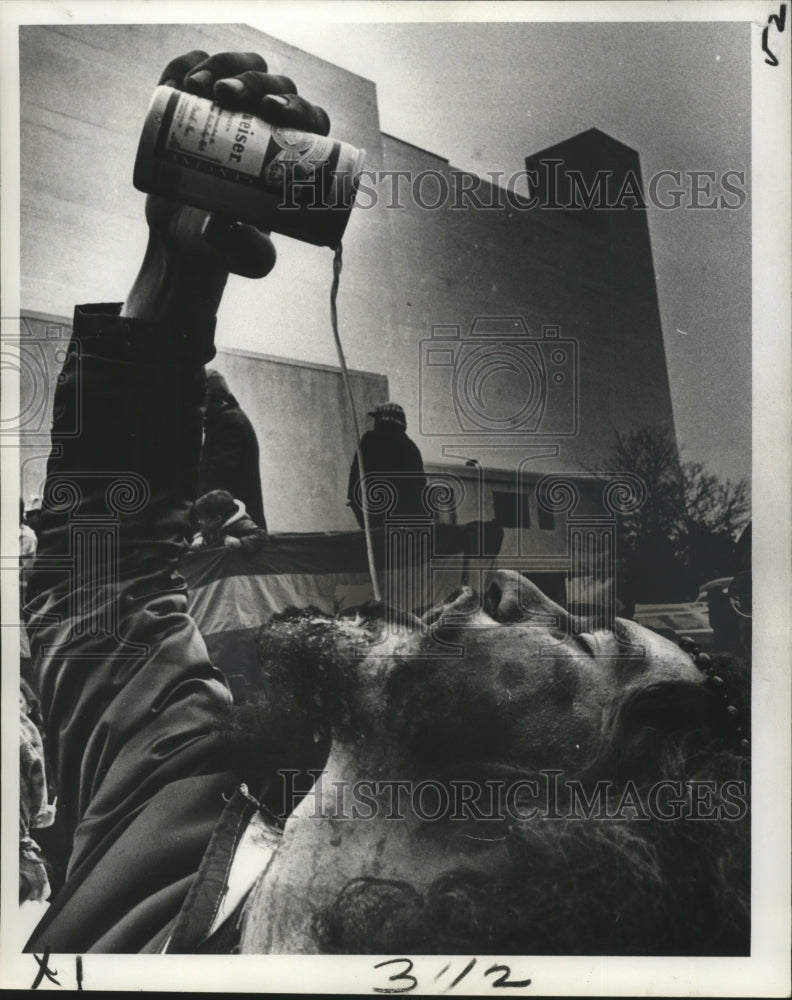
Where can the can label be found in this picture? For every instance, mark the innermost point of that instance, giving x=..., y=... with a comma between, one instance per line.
x=241, y=147
x=296, y=155
x=204, y=131
x=232, y=162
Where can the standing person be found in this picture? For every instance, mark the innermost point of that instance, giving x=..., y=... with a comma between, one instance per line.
x=230, y=453
x=390, y=457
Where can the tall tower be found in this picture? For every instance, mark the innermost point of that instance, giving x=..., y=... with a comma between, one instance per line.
x=590, y=187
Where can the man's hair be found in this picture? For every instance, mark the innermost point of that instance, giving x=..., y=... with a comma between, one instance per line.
x=577, y=887
x=585, y=884
x=216, y=503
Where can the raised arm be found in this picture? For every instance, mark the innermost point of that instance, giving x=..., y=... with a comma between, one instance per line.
x=129, y=697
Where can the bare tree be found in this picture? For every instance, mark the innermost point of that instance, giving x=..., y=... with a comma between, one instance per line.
x=685, y=531
x=719, y=506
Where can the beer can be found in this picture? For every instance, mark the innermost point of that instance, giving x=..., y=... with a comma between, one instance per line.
x=235, y=164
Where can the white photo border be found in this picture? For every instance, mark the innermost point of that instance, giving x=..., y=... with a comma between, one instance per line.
x=766, y=971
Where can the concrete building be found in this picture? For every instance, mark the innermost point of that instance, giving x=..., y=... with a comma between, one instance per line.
x=516, y=338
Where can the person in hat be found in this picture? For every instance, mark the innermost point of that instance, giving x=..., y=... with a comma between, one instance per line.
x=223, y=521
x=390, y=459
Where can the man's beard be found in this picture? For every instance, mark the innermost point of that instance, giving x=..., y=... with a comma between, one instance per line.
x=310, y=669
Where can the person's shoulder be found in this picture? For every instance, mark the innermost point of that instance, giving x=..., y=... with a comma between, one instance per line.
x=244, y=526
x=232, y=414
x=235, y=419
x=411, y=445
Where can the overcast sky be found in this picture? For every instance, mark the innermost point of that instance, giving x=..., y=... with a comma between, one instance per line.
x=486, y=95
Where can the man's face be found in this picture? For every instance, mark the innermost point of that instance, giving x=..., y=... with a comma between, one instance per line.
x=207, y=523
x=526, y=694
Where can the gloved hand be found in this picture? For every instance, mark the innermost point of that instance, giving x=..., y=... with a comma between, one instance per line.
x=191, y=252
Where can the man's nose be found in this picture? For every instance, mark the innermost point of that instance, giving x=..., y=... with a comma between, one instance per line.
x=510, y=597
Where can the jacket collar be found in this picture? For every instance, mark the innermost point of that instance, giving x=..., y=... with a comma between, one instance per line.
x=241, y=511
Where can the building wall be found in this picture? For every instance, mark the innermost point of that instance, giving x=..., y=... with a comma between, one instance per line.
x=84, y=91
x=300, y=412
x=306, y=435
x=595, y=282
x=84, y=94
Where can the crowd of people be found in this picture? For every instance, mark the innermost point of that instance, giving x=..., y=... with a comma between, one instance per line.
x=194, y=825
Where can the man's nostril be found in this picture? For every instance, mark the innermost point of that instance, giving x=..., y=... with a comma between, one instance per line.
x=493, y=599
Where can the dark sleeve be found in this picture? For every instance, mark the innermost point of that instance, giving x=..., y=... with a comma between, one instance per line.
x=226, y=446
x=414, y=465
x=416, y=458
x=129, y=697
x=254, y=541
x=249, y=534
x=354, y=476
x=231, y=460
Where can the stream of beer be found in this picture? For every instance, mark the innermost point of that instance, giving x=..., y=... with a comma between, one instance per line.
x=337, y=264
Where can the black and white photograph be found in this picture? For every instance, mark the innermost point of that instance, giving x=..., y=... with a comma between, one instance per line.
x=396, y=407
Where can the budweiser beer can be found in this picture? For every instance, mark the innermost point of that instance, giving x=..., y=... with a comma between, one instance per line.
x=239, y=166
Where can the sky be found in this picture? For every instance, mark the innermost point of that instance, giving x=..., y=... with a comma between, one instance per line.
x=486, y=95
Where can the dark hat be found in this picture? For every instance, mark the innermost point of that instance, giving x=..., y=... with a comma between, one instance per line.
x=390, y=413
